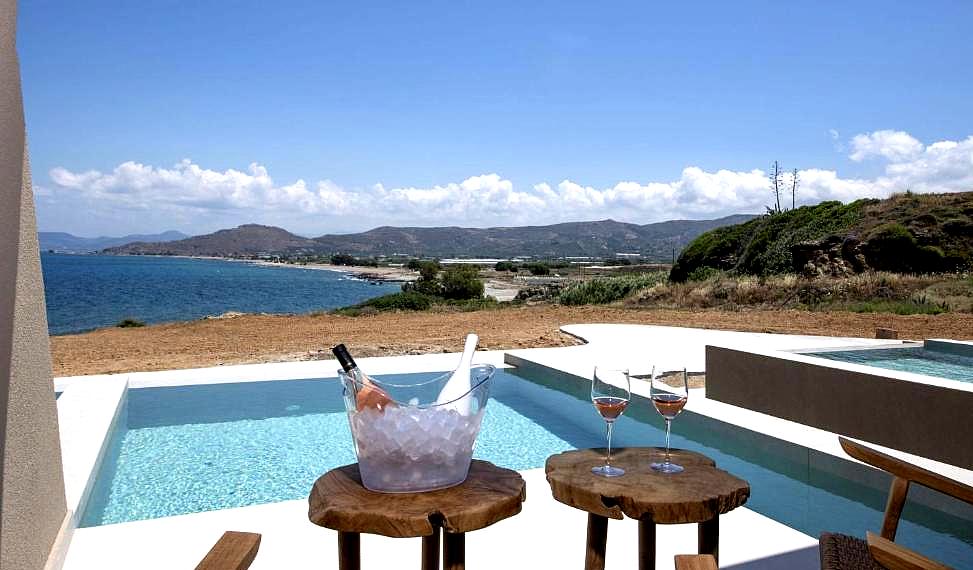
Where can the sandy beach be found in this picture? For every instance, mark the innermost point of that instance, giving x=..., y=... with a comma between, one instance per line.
x=271, y=338
x=500, y=289
x=400, y=274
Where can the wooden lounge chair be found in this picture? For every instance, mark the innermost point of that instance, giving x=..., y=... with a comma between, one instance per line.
x=233, y=551
x=879, y=552
x=695, y=562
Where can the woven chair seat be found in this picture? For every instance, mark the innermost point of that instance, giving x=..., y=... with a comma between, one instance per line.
x=843, y=552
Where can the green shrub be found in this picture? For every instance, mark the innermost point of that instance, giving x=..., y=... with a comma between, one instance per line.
x=424, y=266
x=703, y=273
x=910, y=307
x=892, y=247
x=608, y=289
x=349, y=260
x=506, y=266
x=342, y=259
x=461, y=282
x=537, y=268
x=763, y=246
x=428, y=282
x=129, y=323
x=467, y=305
x=428, y=270
x=406, y=301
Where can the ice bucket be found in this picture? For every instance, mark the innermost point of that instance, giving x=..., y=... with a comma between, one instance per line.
x=416, y=443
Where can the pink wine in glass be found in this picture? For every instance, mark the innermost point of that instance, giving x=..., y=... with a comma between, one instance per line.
x=611, y=390
x=669, y=405
x=669, y=392
x=610, y=407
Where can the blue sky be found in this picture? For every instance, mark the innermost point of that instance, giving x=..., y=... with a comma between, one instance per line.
x=320, y=118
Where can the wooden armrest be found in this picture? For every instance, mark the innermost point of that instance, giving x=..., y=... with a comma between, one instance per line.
x=908, y=471
x=695, y=562
x=233, y=551
x=895, y=557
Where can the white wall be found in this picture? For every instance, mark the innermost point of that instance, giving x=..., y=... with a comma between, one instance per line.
x=32, y=504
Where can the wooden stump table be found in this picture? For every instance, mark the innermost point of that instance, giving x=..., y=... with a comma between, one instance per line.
x=697, y=495
x=340, y=502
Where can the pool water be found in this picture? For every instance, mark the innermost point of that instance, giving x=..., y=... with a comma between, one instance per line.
x=198, y=448
x=917, y=360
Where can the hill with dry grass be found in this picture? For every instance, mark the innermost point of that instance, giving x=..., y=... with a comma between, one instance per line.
x=907, y=233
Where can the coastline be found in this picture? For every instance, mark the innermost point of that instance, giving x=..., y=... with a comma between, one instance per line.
x=500, y=289
x=389, y=274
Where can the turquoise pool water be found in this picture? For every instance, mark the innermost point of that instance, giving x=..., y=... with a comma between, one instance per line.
x=199, y=448
x=917, y=360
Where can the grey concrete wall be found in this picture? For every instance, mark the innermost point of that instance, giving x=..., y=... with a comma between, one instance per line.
x=32, y=503
x=926, y=420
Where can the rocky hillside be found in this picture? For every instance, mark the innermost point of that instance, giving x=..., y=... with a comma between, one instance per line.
x=249, y=239
x=601, y=238
x=908, y=233
x=68, y=243
x=597, y=239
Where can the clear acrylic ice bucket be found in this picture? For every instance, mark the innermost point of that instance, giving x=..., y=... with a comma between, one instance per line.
x=417, y=444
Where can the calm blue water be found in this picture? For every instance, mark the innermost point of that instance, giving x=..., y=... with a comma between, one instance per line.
x=201, y=448
x=918, y=360
x=85, y=292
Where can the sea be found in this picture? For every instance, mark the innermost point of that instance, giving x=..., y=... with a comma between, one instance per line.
x=86, y=292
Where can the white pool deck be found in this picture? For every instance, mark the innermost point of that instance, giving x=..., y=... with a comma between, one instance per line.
x=546, y=534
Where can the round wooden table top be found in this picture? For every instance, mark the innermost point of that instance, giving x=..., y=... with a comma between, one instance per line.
x=698, y=494
x=490, y=494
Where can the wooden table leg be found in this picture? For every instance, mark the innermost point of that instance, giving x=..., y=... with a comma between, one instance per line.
x=454, y=551
x=349, y=551
x=597, y=537
x=646, y=545
x=430, y=550
x=709, y=537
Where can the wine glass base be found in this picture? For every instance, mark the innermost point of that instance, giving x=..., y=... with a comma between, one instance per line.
x=608, y=471
x=666, y=467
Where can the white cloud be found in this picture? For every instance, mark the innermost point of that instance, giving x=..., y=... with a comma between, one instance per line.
x=187, y=190
x=892, y=145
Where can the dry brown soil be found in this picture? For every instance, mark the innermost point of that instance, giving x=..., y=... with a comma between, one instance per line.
x=266, y=338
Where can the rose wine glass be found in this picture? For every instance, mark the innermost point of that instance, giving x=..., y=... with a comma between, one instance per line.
x=610, y=393
x=669, y=392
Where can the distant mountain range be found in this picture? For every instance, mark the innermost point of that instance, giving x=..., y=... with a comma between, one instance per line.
x=67, y=243
x=597, y=239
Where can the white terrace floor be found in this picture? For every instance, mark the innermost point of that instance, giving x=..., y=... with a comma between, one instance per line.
x=545, y=535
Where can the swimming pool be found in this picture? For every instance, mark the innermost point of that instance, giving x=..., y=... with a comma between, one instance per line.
x=205, y=447
x=919, y=360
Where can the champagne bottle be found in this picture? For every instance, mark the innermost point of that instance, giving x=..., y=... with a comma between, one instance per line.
x=459, y=382
x=368, y=394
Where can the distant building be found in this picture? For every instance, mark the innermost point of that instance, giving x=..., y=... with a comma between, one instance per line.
x=481, y=261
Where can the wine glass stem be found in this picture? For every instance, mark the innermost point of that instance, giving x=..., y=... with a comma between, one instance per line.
x=668, y=424
x=608, y=458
